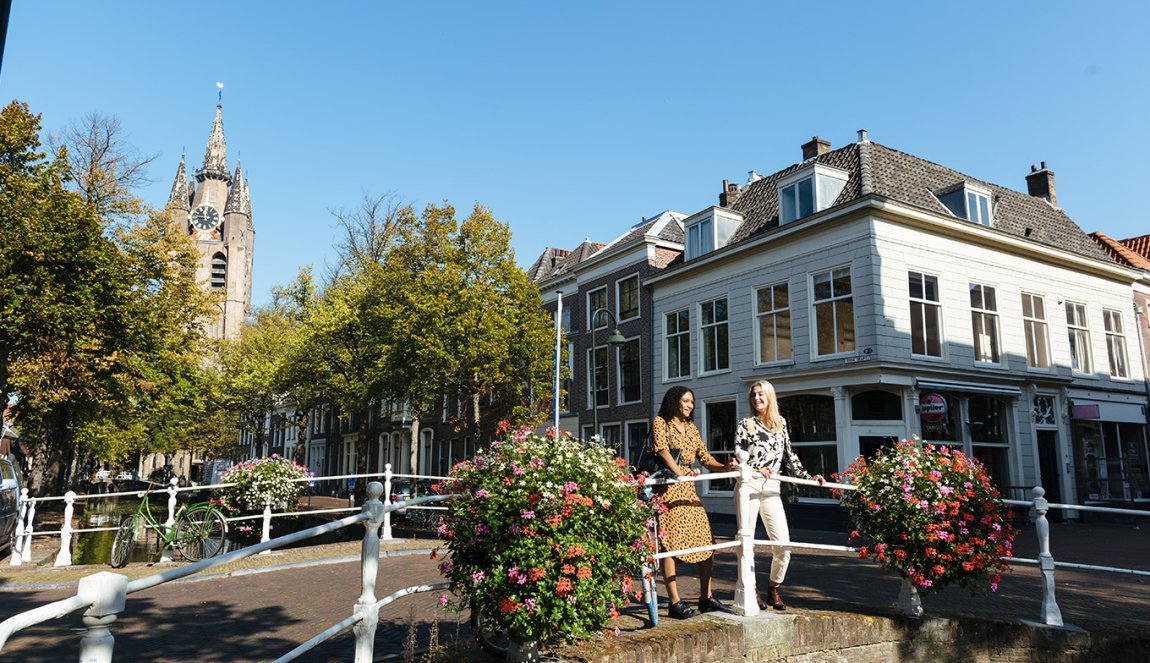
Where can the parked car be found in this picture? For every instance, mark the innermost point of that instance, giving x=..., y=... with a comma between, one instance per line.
x=406, y=489
x=9, y=502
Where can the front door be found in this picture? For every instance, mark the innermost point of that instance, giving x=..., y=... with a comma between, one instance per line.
x=1049, y=469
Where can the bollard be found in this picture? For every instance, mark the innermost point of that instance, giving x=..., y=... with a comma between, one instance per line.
x=1050, y=615
x=745, y=603
x=17, y=557
x=369, y=567
x=27, y=547
x=64, y=557
x=106, y=593
x=387, y=500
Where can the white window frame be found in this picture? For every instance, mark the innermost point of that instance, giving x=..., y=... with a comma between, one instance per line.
x=619, y=298
x=1078, y=337
x=678, y=338
x=1116, y=343
x=1032, y=324
x=592, y=402
x=774, y=314
x=619, y=370
x=591, y=308
x=833, y=300
x=981, y=317
x=715, y=327
x=920, y=325
x=568, y=383
x=695, y=233
x=975, y=214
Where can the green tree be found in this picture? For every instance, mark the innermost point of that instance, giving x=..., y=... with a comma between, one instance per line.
x=99, y=328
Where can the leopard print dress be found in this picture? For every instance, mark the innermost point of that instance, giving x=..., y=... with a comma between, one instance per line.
x=684, y=524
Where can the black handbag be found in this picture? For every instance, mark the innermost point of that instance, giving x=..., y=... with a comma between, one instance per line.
x=652, y=463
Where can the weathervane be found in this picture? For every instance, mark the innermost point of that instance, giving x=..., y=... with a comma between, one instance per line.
x=220, y=100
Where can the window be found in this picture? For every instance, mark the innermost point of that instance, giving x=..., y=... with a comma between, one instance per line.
x=876, y=406
x=628, y=297
x=597, y=377
x=987, y=421
x=925, y=315
x=700, y=239
x=1079, y=336
x=720, y=431
x=811, y=422
x=970, y=203
x=834, y=312
x=1115, y=342
x=984, y=323
x=629, y=375
x=636, y=439
x=713, y=329
x=678, y=333
x=809, y=190
x=773, y=310
x=797, y=200
x=596, y=299
x=1034, y=326
x=219, y=271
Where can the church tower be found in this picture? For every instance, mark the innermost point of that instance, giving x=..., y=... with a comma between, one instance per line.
x=216, y=210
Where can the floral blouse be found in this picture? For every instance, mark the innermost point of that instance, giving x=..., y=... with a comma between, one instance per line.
x=769, y=449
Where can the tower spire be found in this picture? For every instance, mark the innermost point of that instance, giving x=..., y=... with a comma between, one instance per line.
x=180, y=197
x=236, y=195
x=215, y=157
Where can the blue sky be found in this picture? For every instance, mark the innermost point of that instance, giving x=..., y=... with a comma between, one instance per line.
x=575, y=120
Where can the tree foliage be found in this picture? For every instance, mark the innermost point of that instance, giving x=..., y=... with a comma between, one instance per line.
x=99, y=328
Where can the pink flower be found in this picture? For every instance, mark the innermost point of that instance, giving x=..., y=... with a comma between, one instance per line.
x=527, y=514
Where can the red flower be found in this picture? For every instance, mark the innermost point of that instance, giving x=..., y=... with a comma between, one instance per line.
x=563, y=586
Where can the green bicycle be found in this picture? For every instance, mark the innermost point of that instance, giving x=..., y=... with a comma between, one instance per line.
x=198, y=532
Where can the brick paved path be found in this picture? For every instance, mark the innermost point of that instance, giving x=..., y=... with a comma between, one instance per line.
x=259, y=616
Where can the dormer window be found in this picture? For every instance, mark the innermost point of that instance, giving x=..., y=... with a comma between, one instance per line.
x=709, y=230
x=968, y=202
x=809, y=190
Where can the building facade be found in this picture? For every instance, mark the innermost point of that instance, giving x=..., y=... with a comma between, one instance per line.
x=886, y=297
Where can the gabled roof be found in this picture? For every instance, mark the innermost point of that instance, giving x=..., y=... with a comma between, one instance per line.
x=876, y=169
x=545, y=264
x=665, y=227
x=1122, y=251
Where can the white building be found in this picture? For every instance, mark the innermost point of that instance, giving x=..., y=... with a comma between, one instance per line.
x=886, y=296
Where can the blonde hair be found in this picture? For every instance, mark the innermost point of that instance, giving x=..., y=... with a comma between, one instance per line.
x=773, y=420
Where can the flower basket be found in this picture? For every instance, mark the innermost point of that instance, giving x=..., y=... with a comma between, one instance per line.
x=931, y=514
x=547, y=538
x=273, y=480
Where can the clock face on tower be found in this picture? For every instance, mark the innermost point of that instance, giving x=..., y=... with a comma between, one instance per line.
x=205, y=217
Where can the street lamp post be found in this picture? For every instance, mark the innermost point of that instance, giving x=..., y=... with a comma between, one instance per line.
x=616, y=338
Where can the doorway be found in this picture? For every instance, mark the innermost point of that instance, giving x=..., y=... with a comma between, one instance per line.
x=1048, y=468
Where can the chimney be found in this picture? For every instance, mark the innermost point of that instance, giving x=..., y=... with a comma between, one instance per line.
x=815, y=147
x=1040, y=184
x=729, y=195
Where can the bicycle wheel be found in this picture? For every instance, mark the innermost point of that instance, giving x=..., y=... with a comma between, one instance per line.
x=123, y=543
x=200, y=534
x=493, y=640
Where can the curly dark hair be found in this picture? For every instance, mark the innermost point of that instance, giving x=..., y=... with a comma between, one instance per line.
x=670, y=406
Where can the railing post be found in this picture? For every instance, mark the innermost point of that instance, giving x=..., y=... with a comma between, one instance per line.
x=1050, y=614
x=387, y=500
x=745, y=603
x=26, y=549
x=267, y=533
x=650, y=587
x=64, y=557
x=107, y=593
x=171, y=503
x=369, y=567
x=17, y=557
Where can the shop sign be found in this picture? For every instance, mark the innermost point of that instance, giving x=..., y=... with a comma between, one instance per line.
x=932, y=408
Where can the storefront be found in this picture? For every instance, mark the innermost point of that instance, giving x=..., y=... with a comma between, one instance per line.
x=1110, y=450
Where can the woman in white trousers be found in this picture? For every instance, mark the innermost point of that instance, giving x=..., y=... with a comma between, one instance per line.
x=768, y=443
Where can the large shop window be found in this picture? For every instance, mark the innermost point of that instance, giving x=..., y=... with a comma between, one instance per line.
x=986, y=436
x=1111, y=460
x=811, y=421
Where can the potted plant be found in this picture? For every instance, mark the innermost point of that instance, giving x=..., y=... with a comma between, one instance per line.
x=274, y=480
x=547, y=537
x=931, y=514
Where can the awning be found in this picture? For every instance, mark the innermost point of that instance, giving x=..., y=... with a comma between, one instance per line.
x=972, y=387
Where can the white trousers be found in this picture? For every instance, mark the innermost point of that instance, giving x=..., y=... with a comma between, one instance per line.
x=767, y=499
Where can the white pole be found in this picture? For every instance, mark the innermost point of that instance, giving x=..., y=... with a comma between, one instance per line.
x=1050, y=614
x=558, y=356
x=64, y=556
x=745, y=589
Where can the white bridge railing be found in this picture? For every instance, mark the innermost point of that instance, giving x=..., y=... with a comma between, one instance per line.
x=26, y=522
x=744, y=545
x=103, y=596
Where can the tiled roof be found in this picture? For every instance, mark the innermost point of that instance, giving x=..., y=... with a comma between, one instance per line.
x=664, y=257
x=544, y=265
x=1140, y=245
x=1121, y=252
x=875, y=168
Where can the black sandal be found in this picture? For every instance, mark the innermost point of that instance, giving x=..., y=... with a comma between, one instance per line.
x=680, y=610
x=712, y=604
